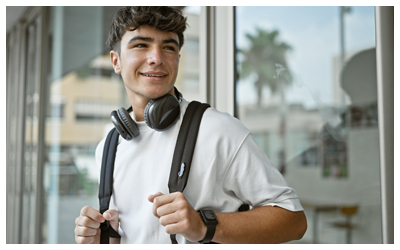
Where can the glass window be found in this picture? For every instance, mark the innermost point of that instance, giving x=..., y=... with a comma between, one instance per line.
x=188, y=78
x=306, y=89
x=30, y=146
x=82, y=91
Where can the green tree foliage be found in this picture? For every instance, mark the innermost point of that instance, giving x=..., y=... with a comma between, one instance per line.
x=266, y=58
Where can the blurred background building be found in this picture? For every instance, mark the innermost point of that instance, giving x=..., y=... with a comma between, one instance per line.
x=304, y=80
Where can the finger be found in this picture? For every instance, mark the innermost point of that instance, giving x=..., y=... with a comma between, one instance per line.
x=85, y=231
x=160, y=201
x=97, y=237
x=153, y=196
x=169, y=219
x=92, y=213
x=112, y=215
x=172, y=228
x=85, y=221
x=166, y=209
x=164, y=199
x=85, y=240
x=168, y=203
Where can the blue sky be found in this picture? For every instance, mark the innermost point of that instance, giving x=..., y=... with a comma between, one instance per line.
x=313, y=33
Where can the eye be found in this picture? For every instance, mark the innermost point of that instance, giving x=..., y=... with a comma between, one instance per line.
x=140, y=45
x=172, y=48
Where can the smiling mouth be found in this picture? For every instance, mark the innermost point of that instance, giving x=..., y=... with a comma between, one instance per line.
x=152, y=75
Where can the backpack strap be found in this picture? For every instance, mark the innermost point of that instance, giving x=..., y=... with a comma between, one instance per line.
x=106, y=183
x=184, y=149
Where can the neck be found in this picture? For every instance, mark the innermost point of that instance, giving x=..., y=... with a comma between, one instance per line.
x=138, y=108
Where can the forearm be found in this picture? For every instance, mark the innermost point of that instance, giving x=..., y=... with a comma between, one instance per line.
x=260, y=225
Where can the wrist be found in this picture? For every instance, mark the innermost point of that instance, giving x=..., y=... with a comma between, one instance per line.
x=210, y=221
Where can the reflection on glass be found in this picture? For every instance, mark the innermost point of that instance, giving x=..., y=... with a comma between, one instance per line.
x=306, y=89
x=30, y=164
x=83, y=90
x=188, y=75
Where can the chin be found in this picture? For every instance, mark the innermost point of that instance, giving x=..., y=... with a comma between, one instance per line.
x=158, y=92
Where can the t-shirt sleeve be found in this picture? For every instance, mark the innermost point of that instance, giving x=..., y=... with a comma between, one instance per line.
x=252, y=177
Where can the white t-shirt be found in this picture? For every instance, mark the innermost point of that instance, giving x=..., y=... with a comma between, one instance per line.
x=228, y=169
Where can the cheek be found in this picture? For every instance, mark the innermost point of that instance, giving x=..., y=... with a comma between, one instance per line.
x=175, y=65
x=130, y=65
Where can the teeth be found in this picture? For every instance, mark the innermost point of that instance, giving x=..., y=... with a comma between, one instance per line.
x=153, y=75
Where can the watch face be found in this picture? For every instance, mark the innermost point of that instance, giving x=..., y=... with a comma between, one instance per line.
x=209, y=215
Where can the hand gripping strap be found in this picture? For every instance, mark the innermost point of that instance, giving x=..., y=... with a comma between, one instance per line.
x=184, y=149
x=106, y=182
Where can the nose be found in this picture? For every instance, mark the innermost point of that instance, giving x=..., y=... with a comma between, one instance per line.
x=155, y=56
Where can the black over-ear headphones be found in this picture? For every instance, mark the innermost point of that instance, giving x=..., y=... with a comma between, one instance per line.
x=159, y=114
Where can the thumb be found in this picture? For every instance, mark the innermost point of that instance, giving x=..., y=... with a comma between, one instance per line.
x=112, y=216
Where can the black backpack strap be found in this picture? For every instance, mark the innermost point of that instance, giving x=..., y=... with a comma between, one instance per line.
x=106, y=183
x=184, y=149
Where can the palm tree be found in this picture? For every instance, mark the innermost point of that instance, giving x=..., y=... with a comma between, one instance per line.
x=266, y=57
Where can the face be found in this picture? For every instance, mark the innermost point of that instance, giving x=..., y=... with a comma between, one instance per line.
x=148, y=63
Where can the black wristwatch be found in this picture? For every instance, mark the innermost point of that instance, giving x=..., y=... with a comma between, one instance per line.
x=210, y=219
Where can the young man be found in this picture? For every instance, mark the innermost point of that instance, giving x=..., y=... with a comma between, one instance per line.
x=228, y=168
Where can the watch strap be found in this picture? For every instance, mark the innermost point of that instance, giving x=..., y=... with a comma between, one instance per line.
x=210, y=228
x=209, y=235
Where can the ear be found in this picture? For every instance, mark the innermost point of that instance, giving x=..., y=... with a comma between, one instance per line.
x=115, y=61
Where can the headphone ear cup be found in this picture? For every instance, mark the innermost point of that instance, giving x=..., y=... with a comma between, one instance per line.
x=162, y=113
x=128, y=123
x=120, y=126
x=147, y=118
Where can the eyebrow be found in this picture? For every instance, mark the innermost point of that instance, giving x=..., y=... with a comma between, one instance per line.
x=149, y=39
x=171, y=41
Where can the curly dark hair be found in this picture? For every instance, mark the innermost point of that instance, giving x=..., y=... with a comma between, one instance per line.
x=130, y=18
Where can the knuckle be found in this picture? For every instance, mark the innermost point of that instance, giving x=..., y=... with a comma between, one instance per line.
x=182, y=204
x=155, y=201
x=162, y=221
x=184, y=213
x=85, y=210
x=77, y=239
x=84, y=231
x=81, y=240
x=86, y=221
x=77, y=220
x=158, y=211
x=168, y=230
x=88, y=240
